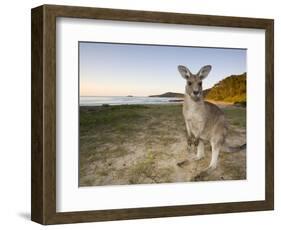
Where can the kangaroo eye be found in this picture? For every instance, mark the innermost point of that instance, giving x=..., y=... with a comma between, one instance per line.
x=189, y=83
x=200, y=83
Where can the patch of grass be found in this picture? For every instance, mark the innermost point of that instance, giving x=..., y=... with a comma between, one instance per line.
x=143, y=169
x=118, y=124
x=236, y=116
x=102, y=173
x=107, y=117
x=147, y=169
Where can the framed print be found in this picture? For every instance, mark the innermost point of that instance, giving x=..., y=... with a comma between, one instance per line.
x=141, y=114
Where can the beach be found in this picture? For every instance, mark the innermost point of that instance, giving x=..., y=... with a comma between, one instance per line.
x=142, y=144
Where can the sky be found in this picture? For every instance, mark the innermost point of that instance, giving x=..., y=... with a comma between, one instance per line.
x=108, y=69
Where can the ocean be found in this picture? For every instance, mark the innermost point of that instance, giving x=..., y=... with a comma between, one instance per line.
x=119, y=100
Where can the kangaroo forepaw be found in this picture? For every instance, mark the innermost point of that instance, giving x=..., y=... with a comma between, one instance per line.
x=192, y=141
x=196, y=141
x=189, y=141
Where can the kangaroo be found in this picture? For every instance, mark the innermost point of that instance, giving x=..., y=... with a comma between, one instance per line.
x=204, y=121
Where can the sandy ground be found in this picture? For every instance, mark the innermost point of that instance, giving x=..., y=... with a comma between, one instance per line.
x=150, y=148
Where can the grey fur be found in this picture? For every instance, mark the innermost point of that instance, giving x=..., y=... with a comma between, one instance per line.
x=204, y=121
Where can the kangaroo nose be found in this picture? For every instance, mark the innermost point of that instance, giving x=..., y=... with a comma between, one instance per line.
x=196, y=92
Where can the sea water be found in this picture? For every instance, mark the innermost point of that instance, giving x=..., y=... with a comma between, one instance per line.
x=127, y=100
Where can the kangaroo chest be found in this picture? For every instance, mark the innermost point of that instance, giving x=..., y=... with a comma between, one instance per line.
x=195, y=118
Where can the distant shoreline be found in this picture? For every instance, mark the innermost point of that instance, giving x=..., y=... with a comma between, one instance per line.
x=150, y=104
x=124, y=100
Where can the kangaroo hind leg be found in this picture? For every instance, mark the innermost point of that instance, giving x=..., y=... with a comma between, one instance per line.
x=200, y=150
x=216, y=146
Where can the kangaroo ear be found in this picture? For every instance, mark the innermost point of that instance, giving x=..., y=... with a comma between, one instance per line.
x=184, y=71
x=204, y=71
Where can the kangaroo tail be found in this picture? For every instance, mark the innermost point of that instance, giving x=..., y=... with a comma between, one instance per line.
x=231, y=149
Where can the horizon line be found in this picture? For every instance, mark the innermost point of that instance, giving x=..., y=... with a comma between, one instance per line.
x=127, y=95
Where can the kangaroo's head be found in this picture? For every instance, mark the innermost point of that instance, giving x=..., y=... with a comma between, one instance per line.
x=193, y=86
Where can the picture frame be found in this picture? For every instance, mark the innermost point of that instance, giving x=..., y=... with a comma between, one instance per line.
x=44, y=160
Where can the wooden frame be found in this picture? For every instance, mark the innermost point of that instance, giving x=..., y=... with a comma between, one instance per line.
x=43, y=206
